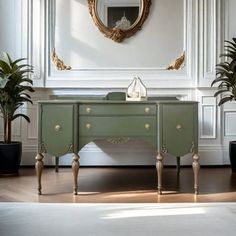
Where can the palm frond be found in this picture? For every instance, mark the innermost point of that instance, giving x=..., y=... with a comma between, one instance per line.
x=226, y=74
x=225, y=99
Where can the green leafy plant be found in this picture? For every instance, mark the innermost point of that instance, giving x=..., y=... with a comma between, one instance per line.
x=14, y=84
x=226, y=73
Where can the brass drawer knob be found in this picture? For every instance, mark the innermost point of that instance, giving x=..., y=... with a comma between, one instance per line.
x=147, y=109
x=57, y=128
x=179, y=127
x=88, y=110
x=147, y=126
x=88, y=126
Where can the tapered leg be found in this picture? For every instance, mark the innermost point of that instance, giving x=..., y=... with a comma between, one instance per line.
x=196, y=167
x=178, y=165
x=75, y=168
x=56, y=164
x=159, y=167
x=39, y=169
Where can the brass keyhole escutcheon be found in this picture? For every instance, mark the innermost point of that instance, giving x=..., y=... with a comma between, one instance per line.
x=57, y=128
x=88, y=126
x=147, y=126
x=147, y=109
x=88, y=110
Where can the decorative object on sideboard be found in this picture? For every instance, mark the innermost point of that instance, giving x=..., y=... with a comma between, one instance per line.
x=136, y=91
x=226, y=79
x=58, y=63
x=15, y=83
x=178, y=63
x=118, y=34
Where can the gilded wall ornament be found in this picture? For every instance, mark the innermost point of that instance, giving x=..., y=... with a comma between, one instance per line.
x=58, y=63
x=178, y=63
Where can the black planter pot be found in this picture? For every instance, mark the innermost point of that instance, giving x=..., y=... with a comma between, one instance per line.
x=232, y=155
x=10, y=158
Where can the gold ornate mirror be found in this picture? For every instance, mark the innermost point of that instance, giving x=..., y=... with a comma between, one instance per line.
x=119, y=19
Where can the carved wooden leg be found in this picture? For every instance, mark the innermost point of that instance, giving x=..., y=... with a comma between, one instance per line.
x=56, y=164
x=159, y=167
x=75, y=168
x=39, y=169
x=196, y=167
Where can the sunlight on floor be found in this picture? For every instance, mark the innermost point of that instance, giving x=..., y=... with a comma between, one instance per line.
x=131, y=194
x=88, y=193
x=147, y=212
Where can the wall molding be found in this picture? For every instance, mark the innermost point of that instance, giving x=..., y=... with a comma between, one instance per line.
x=212, y=28
x=229, y=116
x=42, y=20
x=208, y=105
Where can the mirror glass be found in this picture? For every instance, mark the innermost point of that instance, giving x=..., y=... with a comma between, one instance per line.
x=119, y=14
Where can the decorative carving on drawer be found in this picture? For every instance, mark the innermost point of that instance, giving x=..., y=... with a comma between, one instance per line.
x=118, y=140
x=164, y=149
x=192, y=149
x=43, y=148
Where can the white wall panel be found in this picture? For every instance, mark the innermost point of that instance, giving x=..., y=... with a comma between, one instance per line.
x=90, y=49
x=208, y=124
x=208, y=118
x=230, y=123
x=99, y=61
x=9, y=33
x=231, y=6
x=212, y=25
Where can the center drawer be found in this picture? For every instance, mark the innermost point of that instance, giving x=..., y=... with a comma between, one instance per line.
x=117, y=126
x=117, y=109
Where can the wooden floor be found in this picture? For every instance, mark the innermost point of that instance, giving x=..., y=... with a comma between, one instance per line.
x=120, y=185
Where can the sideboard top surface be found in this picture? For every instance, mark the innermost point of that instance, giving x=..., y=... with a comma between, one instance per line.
x=116, y=102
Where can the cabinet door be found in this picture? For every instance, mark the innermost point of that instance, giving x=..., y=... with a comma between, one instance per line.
x=57, y=128
x=179, y=127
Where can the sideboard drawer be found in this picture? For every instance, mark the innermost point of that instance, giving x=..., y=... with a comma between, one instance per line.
x=57, y=128
x=117, y=126
x=117, y=109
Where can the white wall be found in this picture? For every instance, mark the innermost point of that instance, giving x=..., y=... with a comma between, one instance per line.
x=207, y=23
x=10, y=36
x=162, y=34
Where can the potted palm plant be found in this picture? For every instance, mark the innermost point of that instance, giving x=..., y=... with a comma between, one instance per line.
x=14, y=85
x=226, y=79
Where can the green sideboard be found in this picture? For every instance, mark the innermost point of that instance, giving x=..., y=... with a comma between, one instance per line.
x=65, y=126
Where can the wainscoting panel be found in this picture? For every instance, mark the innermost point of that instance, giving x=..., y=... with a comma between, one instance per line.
x=208, y=118
x=230, y=123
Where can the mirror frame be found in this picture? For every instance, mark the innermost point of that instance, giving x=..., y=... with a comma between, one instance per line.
x=118, y=35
